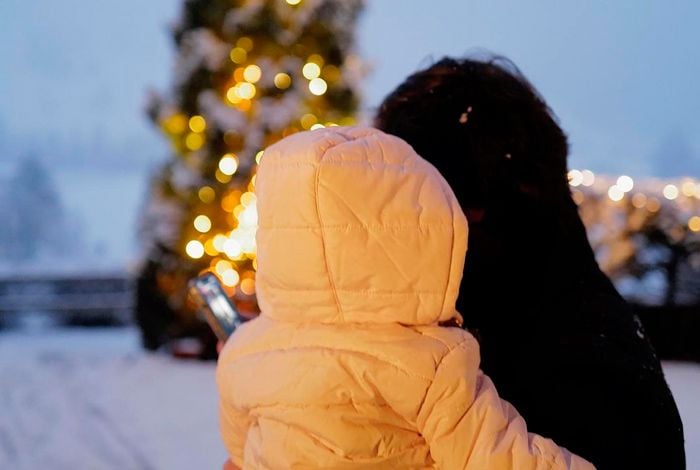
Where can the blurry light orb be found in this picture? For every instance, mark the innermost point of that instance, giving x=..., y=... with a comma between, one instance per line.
x=688, y=188
x=194, y=249
x=232, y=248
x=294, y=2
x=202, y=223
x=246, y=90
x=238, y=55
x=252, y=73
x=232, y=95
x=588, y=178
x=615, y=193
x=230, y=277
x=282, y=81
x=670, y=192
x=258, y=156
x=639, y=200
x=311, y=70
x=317, y=126
x=197, y=124
x=694, y=223
x=206, y=194
x=575, y=178
x=308, y=120
x=653, y=205
x=222, y=266
x=245, y=43
x=219, y=241
x=318, y=86
x=625, y=183
x=248, y=199
x=228, y=164
x=248, y=286
x=194, y=141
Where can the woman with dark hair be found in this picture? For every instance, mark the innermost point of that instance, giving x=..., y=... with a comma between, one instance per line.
x=558, y=340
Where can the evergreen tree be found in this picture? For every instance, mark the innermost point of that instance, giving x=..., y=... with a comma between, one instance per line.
x=248, y=73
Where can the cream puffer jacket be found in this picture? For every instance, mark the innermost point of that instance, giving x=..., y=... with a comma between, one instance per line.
x=361, y=246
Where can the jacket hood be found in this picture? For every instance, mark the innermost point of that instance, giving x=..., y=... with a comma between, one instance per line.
x=355, y=227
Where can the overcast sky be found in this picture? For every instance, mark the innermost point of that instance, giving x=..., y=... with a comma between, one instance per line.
x=621, y=75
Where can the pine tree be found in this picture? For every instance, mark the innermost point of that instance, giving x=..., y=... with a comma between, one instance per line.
x=248, y=73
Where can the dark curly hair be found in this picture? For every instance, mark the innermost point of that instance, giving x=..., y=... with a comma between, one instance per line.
x=481, y=120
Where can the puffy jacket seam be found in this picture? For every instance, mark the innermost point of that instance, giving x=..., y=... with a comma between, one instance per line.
x=317, y=183
x=358, y=291
x=384, y=360
x=437, y=368
x=452, y=247
x=359, y=226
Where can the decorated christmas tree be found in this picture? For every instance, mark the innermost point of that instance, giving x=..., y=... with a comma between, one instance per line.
x=248, y=73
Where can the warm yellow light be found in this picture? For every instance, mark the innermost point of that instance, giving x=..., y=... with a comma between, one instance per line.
x=331, y=73
x=222, y=266
x=197, y=124
x=316, y=59
x=258, y=156
x=248, y=286
x=202, y=223
x=246, y=90
x=588, y=178
x=670, y=192
x=219, y=241
x=228, y=164
x=318, y=86
x=294, y=2
x=625, y=183
x=230, y=278
x=308, y=120
x=653, y=205
x=194, y=249
x=246, y=43
x=209, y=248
x=639, y=200
x=175, y=123
x=206, y=194
x=575, y=178
x=694, y=223
x=615, y=193
x=232, y=95
x=238, y=55
x=222, y=177
x=282, y=81
x=688, y=188
x=232, y=248
x=194, y=141
x=248, y=199
x=311, y=70
x=252, y=73
x=317, y=126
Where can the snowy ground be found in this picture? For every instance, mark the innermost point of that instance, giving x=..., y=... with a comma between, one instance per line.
x=91, y=399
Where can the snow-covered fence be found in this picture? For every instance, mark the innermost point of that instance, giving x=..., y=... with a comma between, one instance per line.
x=76, y=298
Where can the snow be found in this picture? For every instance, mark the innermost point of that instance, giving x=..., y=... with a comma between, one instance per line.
x=91, y=398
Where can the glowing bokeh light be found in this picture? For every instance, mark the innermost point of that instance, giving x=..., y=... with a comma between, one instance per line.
x=202, y=223
x=194, y=249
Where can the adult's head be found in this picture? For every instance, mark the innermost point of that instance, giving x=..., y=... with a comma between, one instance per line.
x=487, y=130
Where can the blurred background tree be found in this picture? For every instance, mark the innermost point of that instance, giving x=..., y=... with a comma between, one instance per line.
x=248, y=73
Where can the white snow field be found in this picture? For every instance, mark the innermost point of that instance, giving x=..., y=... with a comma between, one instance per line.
x=92, y=400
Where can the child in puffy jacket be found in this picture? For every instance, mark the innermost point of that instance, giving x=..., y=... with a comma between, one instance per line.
x=351, y=363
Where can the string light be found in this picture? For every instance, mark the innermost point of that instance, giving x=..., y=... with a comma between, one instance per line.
x=232, y=248
x=282, y=81
x=615, y=193
x=238, y=55
x=194, y=141
x=245, y=43
x=194, y=249
x=222, y=266
x=197, y=124
x=625, y=183
x=588, y=178
x=206, y=194
x=688, y=188
x=258, y=156
x=230, y=278
x=294, y=2
x=694, y=223
x=308, y=120
x=311, y=70
x=639, y=200
x=575, y=178
x=318, y=86
x=228, y=164
x=246, y=90
x=202, y=223
x=670, y=192
x=175, y=123
x=317, y=126
x=252, y=73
